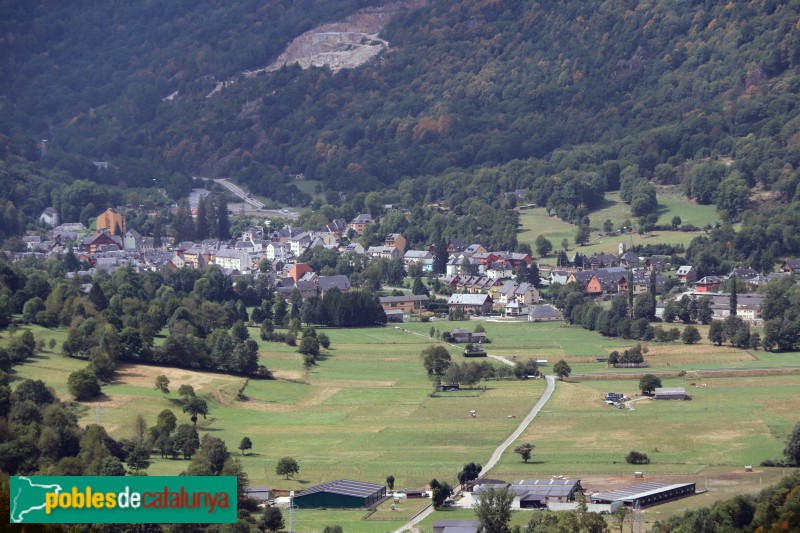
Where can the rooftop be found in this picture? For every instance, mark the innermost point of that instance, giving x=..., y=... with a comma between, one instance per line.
x=640, y=490
x=346, y=487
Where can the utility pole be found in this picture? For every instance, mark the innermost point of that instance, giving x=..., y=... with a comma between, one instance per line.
x=44, y=148
x=291, y=512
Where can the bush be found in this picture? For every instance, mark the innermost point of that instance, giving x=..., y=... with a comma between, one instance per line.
x=83, y=384
x=324, y=340
x=637, y=458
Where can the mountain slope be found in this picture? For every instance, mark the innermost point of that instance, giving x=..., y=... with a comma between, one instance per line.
x=578, y=92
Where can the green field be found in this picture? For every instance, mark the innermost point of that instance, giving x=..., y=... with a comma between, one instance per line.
x=671, y=202
x=732, y=422
x=580, y=347
x=365, y=412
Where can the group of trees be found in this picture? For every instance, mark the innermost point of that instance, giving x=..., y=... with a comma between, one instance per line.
x=355, y=308
x=630, y=357
x=781, y=313
x=42, y=435
x=737, y=332
x=441, y=368
x=633, y=321
x=689, y=310
x=211, y=220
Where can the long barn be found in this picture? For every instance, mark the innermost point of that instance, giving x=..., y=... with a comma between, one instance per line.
x=343, y=494
x=645, y=494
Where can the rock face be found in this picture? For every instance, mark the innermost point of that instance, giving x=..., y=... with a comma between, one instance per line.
x=346, y=44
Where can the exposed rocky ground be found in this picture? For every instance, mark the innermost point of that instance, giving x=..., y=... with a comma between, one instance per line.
x=341, y=45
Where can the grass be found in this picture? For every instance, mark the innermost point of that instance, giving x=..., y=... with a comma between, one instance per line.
x=365, y=412
x=730, y=423
x=671, y=202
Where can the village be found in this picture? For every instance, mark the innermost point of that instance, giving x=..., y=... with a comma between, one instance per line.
x=476, y=282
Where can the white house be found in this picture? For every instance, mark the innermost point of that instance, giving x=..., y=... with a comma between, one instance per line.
x=49, y=216
x=278, y=250
x=232, y=259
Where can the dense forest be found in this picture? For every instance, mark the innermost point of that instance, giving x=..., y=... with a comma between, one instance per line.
x=564, y=100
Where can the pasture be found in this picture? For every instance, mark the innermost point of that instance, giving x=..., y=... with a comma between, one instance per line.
x=364, y=412
x=729, y=423
x=581, y=347
x=671, y=202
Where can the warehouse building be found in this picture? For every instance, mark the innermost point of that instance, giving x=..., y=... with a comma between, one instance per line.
x=536, y=493
x=342, y=494
x=646, y=494
x=670, y=393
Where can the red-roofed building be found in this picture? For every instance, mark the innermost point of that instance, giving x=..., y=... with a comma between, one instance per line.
x=299, y=270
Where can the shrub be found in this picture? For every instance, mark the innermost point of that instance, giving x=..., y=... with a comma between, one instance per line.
x=637, y=458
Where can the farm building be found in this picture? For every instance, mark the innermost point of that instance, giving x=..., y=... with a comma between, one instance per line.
x=342, y=494
x=645, y=494
x=537, y=493
x=544, y=313
x=670, y=393
x=394, y=315
x=465, y=335
x=260, y=494
x=456, y=526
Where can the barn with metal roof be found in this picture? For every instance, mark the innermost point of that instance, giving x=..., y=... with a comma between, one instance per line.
x=670, y=393
x=536, y=493
x=645, y=494
x=343, y=493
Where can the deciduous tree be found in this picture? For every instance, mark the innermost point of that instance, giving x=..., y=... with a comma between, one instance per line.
x=162, y=384
x=562, y=369
x=690, y=335
x=287, y=466
x=648, y=383
x=272, y=519
x=436, y=360
x=245, y=444
x=525, y=450
x=493, y=509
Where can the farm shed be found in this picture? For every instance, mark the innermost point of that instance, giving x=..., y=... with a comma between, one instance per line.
x=259, y=493
x=456, y=526
x=544, y=313
x=536, y=493
x=539, y=492
x=648, y=493
x=394, y=315
x=343, y=494
x=670, y=393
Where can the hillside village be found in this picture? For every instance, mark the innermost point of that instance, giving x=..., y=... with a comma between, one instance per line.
x=475, y=281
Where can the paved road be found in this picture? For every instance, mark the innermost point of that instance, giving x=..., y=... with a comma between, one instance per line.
x=498, y=452
x=551, y=386
x=240, y=193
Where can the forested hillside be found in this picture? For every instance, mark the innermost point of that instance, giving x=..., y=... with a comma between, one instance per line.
x=567, y=99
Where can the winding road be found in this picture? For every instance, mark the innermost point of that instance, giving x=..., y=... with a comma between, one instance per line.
x=498, y=452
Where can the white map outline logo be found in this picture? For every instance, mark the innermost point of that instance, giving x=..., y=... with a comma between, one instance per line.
x=16, y=516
